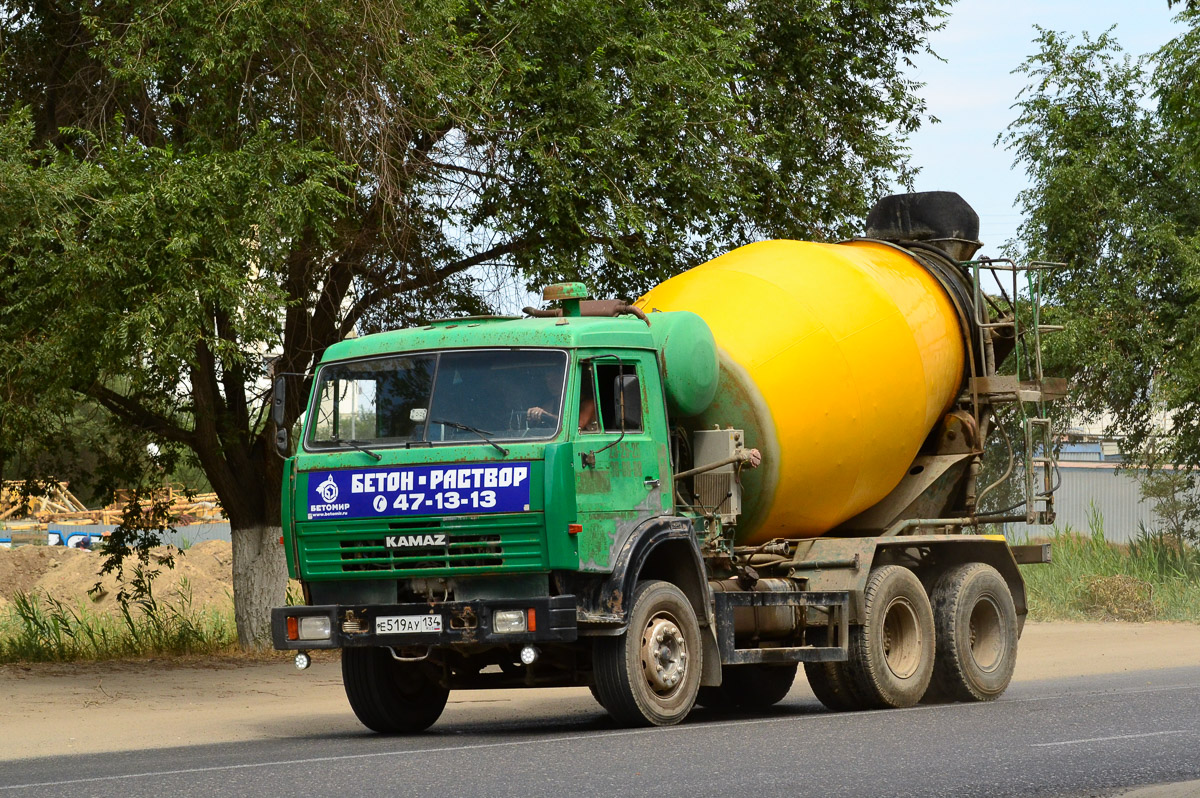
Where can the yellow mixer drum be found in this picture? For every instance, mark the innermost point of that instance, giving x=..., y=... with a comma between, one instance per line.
x=836, y=359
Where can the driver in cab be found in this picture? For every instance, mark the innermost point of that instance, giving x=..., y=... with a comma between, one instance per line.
x=544, y=413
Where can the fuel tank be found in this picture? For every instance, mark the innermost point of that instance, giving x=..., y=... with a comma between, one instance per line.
x=836, y=359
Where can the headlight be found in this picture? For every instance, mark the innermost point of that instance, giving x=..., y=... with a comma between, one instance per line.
x=508, y=621
x=314, y=627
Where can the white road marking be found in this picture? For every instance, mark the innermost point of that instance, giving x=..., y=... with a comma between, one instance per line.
x=1106, y=739
x=347, y=757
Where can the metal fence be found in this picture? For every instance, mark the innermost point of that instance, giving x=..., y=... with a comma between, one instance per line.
x=184, y=536
x=1089, y=487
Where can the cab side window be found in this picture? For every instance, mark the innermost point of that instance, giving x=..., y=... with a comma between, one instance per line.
x=589, y=418
x=620, y=396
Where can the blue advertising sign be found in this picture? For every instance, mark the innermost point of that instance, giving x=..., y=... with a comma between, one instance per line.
x=419, y=490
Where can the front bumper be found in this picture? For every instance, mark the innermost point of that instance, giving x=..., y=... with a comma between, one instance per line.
x=463, y=622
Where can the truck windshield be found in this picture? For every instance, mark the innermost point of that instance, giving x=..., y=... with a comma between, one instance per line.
x=465, y=396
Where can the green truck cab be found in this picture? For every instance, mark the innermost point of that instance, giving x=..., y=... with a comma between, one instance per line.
x=471, y=498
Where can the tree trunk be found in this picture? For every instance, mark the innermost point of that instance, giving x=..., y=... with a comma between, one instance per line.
x=259, y=582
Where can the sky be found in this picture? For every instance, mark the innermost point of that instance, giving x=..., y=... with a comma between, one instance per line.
x=973, y=90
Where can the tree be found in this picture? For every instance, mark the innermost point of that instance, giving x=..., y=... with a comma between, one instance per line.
x=1110, y=144
x=198, y=194
x=1174, y=503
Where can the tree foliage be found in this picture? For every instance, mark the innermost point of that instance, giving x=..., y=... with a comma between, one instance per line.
x=1110, y=144
x=193, y=194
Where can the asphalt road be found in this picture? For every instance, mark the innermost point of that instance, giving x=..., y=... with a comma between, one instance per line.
x=1045, y=738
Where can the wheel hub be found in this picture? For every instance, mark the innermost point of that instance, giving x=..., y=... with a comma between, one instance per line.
x=986, y=635
x=901, y=639
x=664, y=655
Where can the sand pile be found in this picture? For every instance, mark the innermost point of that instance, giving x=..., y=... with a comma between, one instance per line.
x=206, y=570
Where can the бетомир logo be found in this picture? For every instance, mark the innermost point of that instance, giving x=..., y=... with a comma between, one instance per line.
x=328, y=490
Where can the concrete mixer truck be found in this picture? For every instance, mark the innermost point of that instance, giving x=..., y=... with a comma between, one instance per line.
x=771, y=460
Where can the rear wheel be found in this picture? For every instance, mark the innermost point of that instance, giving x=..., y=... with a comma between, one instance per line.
x=976, y=625
x=389, y=696
x=892, y=653
x=650, y=675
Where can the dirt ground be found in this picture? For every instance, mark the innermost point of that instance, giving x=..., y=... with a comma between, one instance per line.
x=67, y=575
x=89, y=708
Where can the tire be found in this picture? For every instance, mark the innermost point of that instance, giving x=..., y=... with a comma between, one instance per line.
x=650, y=675
x=749, y=687
x=388, y=696
x=717, y=699
x=892, y=653
x=831, y=684
x=976, y=631
x=830, y=681
x=759, y=686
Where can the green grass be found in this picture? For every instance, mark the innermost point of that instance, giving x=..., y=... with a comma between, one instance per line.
x=42, y=629
x=1154, y=578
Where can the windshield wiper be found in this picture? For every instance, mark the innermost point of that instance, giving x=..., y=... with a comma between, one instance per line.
x=355, y=445
x=468, y=428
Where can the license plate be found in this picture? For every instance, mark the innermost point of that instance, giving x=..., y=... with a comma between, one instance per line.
x=407, y=624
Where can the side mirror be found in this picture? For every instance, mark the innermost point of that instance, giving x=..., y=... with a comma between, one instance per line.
x=279, y=416
x=629, y=402
x=279, y=402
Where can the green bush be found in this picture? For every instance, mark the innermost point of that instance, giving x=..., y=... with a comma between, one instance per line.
x=1154, y=578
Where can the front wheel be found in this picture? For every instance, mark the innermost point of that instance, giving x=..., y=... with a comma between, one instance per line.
x=649, y=676
x=749, y=687
x=831, y=684
x=389, y=696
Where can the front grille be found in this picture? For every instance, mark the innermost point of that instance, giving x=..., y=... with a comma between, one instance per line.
x=460, y=551
x=419, y=523
x=509, y=543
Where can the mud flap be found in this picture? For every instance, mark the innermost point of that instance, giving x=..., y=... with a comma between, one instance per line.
x=710, y=674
